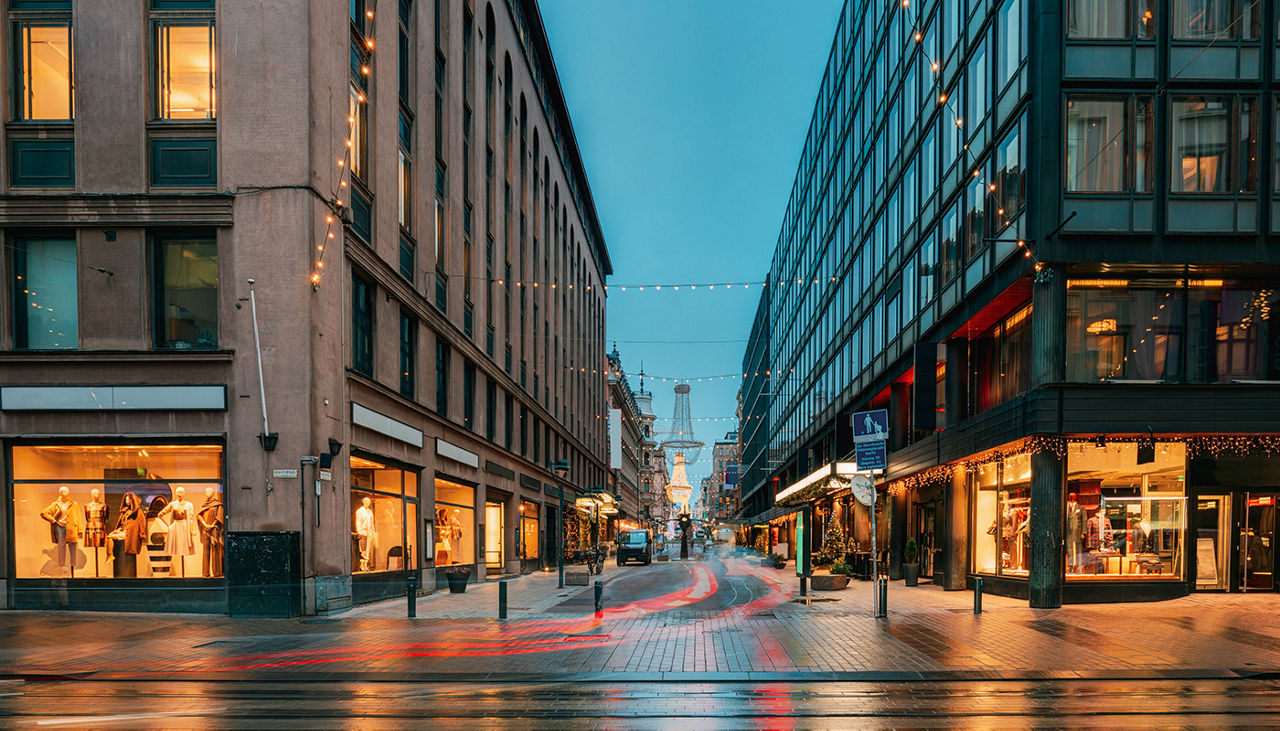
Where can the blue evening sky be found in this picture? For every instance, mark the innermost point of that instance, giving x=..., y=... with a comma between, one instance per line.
x=690, y=116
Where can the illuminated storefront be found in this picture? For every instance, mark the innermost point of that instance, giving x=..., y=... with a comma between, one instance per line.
x=384, y=510
x=455, y=523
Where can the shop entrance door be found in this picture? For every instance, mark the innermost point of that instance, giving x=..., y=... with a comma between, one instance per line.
x=1257, y=542
x=493, y=532
x=927, y=546
x=1213, y=548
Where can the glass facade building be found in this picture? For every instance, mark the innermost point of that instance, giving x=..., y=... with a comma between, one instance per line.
x=1038, y=235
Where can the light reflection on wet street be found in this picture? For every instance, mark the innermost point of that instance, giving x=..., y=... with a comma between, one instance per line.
x=984, y=704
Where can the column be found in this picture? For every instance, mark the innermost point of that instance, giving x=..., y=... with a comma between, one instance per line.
x=1046, y=530
x=955, y=535
x=1049, y=326
x=899, y=415
x=957, y=381
x=897, y=533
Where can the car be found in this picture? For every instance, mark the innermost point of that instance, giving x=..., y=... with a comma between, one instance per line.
x=635, y=545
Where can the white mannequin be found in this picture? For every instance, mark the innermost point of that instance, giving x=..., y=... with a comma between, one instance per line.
x=180, y=540
x=365, y=532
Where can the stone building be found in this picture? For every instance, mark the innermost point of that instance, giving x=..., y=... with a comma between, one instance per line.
x=289, y=267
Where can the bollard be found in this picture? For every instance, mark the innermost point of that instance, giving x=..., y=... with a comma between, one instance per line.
x=599, y=596
x=411, y=591
x=804, y=586
x=882, y=597
x=502, y=600
x=977, y=595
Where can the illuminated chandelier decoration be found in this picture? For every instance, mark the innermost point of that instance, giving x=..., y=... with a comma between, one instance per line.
x=680, y=437
x=678, y=489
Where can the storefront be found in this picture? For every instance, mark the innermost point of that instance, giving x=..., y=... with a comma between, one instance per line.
x=455, y=525
x=385, y=527
x=143, y=521
x=529, y=536
x=1234, y=523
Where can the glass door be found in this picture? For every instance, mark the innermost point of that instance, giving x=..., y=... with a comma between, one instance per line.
x=1213, y=551
x=493, y=532
x=1257, y=543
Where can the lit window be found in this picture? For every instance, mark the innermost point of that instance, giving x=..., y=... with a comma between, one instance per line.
x=43, y=82
x=186, y=297
x=185, y=70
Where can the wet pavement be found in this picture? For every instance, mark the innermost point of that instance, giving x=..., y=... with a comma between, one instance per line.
x=722, y=638
x=571, y=705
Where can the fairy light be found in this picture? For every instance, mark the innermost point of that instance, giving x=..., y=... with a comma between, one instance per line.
x=343, y=167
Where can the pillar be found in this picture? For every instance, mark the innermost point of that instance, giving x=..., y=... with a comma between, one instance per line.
x=957, y=381
x=1049, y=326
x=899, y=415
x=897, y=532
x=1047, y=559
x=955, y=555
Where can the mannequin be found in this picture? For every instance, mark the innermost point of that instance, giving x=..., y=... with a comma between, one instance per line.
x=210, y=521
x=444, y=537
x=66, y=528
x=128, y=537
x=180, y=540
x=95, y=525
x=366, y=534
x=1075, y=532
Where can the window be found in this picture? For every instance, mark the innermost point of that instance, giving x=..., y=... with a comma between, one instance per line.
x=145, y=511
x=490, y=409
x=975, y=215
x=384, y=511
x=1127, y=333
x=442, y=376
x=408, y=354
x=1214, y=20
x=186, y=293
x=408, y=258
x=1011, y=47
x=1125, y=520
x=1010, y=193
x=185, y=71
x=404, y=172
x=1242, y=329
x=1203, y=140
x=978, y=98
x=469, y=395
x=361, y=325
x=404, y=59
x=46, y=305
x=43, y=69
x=455, y=523
x=1002, y=510
x=1098, y=146
x=1000, y=361
x=528, y=529
x=1111, y=19
x=358, y=115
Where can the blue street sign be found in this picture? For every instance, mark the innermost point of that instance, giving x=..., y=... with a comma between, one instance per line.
x=870, y=455
x=871, y=426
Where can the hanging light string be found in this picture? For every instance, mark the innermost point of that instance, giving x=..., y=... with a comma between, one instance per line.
x=332, y=218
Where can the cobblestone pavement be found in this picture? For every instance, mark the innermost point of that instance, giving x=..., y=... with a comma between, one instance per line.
x=725, y=618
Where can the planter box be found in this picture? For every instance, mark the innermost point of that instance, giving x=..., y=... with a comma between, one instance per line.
x=662, y=557
x=578, y=577
x=457, y=583
x=828, y=582
x=911, y=573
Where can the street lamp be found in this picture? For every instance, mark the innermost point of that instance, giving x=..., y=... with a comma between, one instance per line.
x=561, y=468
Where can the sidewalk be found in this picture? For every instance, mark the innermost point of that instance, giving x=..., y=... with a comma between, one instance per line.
x=528, y=595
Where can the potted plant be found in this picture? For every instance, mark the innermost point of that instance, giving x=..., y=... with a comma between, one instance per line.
x=910, y=562
x=457, y=577
x=776, y=561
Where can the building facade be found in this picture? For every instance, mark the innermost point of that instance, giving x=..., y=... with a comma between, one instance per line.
x=655, y=505
x=334, y=274
x=1038, y=235
x=626, y=449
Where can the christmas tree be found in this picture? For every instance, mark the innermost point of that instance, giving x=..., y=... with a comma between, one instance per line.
x=833, y=545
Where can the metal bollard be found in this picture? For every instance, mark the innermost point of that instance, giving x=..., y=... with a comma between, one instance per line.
x=882, y=598
x=804, y=586
x=977, y=595
x=502, y=600
x=599, y=597
x=411, y=591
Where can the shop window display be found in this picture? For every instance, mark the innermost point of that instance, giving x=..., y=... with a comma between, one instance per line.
x=455, y=523
x=1002, y=509
x=1125, y=520
x=384, y=517
x=528, y=530
x=115, y=511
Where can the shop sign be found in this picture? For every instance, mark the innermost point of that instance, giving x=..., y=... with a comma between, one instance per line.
x=456, y=453
x=283, y=474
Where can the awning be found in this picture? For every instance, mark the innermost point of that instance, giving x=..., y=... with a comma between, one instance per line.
x=778, y=511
